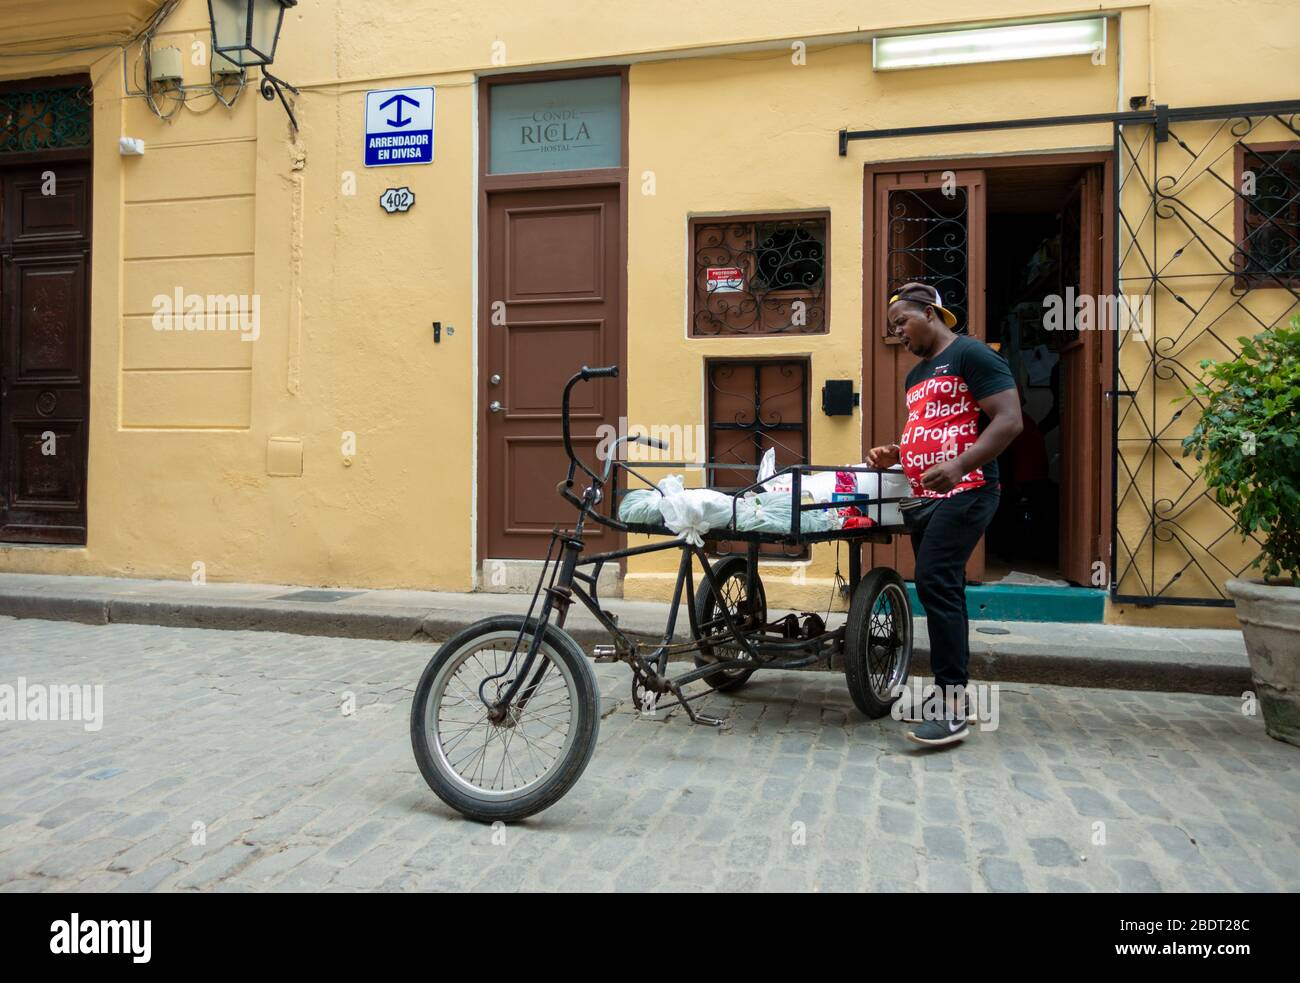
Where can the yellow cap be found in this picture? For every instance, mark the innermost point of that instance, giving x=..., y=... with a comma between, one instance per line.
x=934, y=300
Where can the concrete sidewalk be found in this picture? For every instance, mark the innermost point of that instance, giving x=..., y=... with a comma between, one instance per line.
x=1166, y=659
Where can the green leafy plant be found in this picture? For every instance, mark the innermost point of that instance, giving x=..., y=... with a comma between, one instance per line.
x=1248, y=440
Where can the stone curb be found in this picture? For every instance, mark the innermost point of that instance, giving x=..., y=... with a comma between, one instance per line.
x=1134, y=668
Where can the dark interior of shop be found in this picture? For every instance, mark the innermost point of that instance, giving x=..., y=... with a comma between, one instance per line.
x=1033, y=254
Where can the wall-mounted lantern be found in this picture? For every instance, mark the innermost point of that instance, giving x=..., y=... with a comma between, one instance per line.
x=246, y=32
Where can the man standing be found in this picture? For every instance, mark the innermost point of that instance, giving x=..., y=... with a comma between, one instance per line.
x=962, y=412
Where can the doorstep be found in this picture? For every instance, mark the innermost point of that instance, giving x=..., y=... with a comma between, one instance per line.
x=1196, y=660
x=1025, y=602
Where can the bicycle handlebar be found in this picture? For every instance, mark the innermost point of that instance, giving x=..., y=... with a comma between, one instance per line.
x=583, y=374
x=564, y=488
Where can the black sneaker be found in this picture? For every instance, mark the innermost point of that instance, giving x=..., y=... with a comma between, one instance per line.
x=913, y=716
x=936, y=733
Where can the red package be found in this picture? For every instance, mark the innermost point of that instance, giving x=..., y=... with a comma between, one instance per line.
x=846, y=482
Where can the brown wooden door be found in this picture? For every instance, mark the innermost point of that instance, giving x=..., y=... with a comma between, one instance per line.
x=1081, y=519
x=44, y=352
x=927, y=226
x=552, y=303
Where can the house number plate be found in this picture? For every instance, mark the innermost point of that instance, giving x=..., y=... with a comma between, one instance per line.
x=397, y=200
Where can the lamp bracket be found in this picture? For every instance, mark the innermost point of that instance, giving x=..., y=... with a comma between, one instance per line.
x=271, y=87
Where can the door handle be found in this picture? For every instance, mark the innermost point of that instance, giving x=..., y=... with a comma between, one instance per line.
x=495, y=406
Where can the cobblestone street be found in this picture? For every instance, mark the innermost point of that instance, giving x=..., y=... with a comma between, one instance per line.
x=225, y=762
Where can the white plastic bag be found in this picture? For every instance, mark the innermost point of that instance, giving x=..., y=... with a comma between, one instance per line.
x=767, y=468
x=693, y=511
x=670, y=485
x=820, y=485
x=892, y=484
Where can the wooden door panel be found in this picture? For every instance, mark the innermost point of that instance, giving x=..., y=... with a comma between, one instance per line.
x=44, y=353
x=44, y=474
x=926, y=225
x=555, y=253
x=34, y=217
x=48, y=296
x=532, y=466
x=553, y=304
x=1081, y=403
x=533, y=376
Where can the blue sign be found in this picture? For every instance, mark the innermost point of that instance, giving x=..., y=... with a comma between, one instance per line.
x=399, y=127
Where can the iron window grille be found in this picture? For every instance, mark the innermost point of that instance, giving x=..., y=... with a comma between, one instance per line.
x=929, y=242
x=760, y=275
x=754, y=405
x=44, y=119
x=1268, y=215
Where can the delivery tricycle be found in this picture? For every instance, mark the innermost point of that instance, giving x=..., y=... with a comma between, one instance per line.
x=506, y=713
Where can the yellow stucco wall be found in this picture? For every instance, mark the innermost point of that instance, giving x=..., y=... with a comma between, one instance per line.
x=225, y=201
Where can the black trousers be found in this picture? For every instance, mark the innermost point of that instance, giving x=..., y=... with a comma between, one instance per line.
x=942, y=548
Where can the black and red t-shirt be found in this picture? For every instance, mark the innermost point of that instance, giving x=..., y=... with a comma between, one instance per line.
x=943, y=415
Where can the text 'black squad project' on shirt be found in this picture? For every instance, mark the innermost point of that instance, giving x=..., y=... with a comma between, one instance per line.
x=943, y=415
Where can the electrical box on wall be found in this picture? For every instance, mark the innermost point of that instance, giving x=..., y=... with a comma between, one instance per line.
x=165, y=65
x=221, y=65
x=838, y=397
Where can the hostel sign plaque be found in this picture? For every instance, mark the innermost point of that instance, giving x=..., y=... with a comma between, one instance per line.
x=565, y=125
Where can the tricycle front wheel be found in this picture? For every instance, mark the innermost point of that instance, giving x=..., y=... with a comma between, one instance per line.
x=878, y=641
x=533, y=754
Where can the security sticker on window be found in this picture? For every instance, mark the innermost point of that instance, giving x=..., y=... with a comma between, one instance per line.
x=724, y=279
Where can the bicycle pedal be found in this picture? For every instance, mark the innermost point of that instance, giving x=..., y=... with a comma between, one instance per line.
x=604, y=653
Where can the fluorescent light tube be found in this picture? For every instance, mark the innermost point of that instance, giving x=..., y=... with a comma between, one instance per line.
x=987, y=44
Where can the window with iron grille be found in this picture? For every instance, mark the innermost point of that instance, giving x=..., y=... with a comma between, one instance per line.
x=759, y=275
x=754, y=404
x=55, y=118
x=928, y=238
x=1268, y=215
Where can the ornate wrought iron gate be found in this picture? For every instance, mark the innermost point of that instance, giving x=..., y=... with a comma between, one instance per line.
x=1207, y=251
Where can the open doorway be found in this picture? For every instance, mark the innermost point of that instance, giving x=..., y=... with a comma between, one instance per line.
x=999, y=237
x=1033, y=270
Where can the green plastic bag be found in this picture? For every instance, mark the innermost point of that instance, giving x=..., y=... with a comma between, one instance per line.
x=640, y=507
x=770, y=512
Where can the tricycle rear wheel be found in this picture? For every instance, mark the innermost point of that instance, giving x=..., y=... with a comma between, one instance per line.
x=749, y=613
x=878, y=641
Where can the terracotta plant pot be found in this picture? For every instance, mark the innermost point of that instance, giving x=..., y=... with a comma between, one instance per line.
x=1270, y=620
